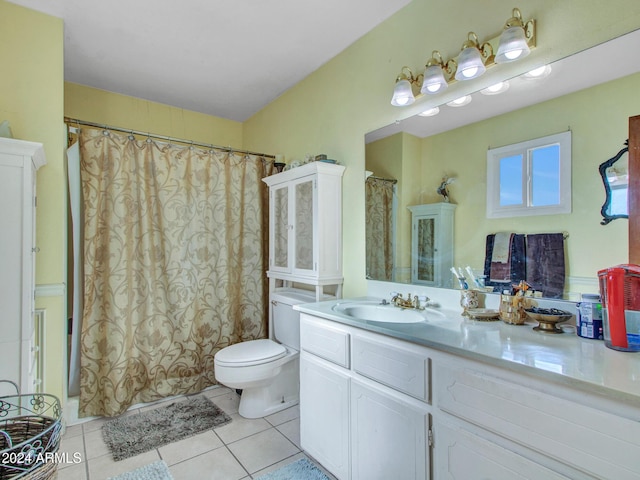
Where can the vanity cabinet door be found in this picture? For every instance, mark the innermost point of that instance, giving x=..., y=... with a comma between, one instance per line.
x=462, y=455
x=389, y=434
x=324, y=413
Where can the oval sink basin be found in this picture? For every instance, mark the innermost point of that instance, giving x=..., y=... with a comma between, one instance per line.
x=375, y=312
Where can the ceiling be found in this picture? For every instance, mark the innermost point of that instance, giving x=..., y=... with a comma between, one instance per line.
x=227, y=58
x=575, y=72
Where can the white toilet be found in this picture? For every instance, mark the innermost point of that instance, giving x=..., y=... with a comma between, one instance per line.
x=267, y=370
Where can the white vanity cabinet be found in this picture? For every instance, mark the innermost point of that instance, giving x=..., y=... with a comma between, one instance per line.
x=305, y=225
x=19, y=161
x=432, y=244
x=364, y=411
x=414, y=411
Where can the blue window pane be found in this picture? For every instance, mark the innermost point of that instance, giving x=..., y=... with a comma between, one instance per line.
x=545, y=176
x=511, y=180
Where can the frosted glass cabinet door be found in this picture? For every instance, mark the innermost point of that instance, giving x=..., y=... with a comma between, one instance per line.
x=303, y=226
x=281, y=228
x=432, y=244
x=426, y=249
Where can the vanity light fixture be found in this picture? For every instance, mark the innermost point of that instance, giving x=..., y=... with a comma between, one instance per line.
x=403, y=92
x=514, y=41
x=460, y=102
x=472, y=58
x=433, y=79
x=430, y=112
x=496, y=88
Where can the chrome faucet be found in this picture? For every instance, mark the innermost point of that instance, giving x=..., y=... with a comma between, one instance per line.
x=398, y=300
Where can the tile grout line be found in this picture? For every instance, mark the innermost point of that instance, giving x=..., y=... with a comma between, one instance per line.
x=86, y=456
x=225, y=445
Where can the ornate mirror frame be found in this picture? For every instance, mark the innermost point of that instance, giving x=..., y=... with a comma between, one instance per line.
x=606, y=207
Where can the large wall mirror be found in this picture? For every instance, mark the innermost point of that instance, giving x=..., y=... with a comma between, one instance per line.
x=410, y=159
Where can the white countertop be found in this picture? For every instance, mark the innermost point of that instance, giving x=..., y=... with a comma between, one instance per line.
x=564, y=358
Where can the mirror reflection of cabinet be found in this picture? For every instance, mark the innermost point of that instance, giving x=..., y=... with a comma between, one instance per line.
x=432, y=244
x=305, y=225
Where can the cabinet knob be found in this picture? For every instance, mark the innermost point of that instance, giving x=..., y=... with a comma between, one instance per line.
x=35, y=249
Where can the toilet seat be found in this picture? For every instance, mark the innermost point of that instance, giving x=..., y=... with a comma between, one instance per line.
x=253, y=352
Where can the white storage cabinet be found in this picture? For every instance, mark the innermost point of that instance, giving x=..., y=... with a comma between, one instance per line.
x=414, y=411
x=19, y=161
x=305, y=226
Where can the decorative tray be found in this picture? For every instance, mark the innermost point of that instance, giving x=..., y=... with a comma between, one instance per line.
x=486, y=314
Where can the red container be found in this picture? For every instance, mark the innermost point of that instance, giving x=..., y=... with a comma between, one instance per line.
x=620, y=293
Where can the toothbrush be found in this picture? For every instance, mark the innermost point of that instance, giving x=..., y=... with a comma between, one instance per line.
x=472, y=276
x=463, y=284
x=463, y=279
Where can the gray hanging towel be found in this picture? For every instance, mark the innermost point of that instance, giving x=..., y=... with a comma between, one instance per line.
x=546, y=263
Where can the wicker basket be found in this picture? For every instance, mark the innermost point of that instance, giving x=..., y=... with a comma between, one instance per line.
x=30, y=431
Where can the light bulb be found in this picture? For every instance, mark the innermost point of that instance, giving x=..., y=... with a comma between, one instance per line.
x=470, y=72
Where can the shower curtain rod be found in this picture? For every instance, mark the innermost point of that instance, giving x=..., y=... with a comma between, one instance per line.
x=161, y=137
x=375, y=177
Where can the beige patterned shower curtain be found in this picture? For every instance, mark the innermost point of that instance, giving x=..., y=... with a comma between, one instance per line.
x=174, y=266
x=379, y=194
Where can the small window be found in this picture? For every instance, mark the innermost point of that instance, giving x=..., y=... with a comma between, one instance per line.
x=530, y=178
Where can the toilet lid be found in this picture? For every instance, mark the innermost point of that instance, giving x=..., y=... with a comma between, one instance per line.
x=251, y=353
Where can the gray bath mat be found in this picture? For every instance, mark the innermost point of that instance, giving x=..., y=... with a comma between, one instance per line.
x=303, y=469
x=138, y=433
x=154, y=471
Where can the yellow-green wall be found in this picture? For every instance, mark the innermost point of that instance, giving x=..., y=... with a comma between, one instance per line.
x=598, y=119
x=331, y=110
x=100, y=106
x=31, y=84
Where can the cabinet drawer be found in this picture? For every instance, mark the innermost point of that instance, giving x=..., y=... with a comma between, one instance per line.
x=590, y=440
x=396, y=366
x=324, y=341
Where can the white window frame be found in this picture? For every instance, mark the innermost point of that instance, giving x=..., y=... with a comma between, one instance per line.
x=495, y=210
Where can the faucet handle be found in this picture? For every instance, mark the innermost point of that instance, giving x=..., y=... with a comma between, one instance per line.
x=422, y=298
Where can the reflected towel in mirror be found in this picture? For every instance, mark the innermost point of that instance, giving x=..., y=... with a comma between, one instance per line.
x=500, y=257
x=516, y=264
x=545, y=263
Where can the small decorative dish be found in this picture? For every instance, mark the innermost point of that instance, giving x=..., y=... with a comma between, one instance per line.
x=547, y=318
x=484, y=314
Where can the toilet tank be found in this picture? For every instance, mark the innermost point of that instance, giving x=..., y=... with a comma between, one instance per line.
x=286, y=320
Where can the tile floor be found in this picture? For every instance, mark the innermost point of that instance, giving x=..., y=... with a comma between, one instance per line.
x=241, y=450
